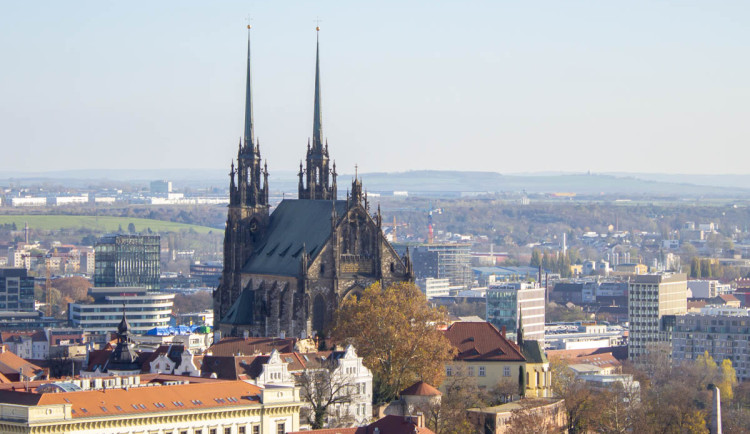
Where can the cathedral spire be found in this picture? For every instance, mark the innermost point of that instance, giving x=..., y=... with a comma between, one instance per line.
x=249, y=133
x=317, y=116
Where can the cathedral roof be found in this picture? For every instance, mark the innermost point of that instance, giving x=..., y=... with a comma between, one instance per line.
x=293, y=224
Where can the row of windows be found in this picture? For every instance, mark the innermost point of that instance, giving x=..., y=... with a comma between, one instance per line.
x=482, y=371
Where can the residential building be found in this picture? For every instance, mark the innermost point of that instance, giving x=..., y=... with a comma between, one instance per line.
x=390, y=424
x=653, y=302
x=707, y=288
x=515, y=305
x=496, y=420
x=15, y=368
x=487, y=357
x=27, y=344
x=16, y=290
x=722, y=331
x=231, y=407
x=145, y=309
x=433, y=287
x=127, y=260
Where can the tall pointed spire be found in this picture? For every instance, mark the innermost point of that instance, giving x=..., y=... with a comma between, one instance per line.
x=318, y=116
x=249, y=133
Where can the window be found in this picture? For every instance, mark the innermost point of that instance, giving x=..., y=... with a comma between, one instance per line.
x=470, y=371
x=256, y=429
x=212, y=431
x=448, y=371
x=228, y=430
x=241, y=430
x=482, y=371
x=281, y=428
x=506, y=371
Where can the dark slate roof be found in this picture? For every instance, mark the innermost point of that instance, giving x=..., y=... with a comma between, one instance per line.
x=292, y=224
x=533, y=352
x=241, y=311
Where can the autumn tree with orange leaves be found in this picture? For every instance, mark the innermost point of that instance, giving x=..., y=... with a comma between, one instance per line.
x=397, y=335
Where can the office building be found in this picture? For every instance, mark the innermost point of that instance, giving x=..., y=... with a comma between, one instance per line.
x=654, y=300
x=127, y=260
x=161, y=187
x=517, y=304
x=144, y=309
x=16, y=290
x=444, y=261
x=707, y=288
x=724, y=332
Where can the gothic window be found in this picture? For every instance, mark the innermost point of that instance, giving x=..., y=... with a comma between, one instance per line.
x=319, y=312
x=393, y=268
x=322, y=269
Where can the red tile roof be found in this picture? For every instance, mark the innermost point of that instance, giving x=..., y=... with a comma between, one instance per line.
x=481, y=341
x=143, y=400
x=420, y=388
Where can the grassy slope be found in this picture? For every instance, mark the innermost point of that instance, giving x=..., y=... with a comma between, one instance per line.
x=100, y=224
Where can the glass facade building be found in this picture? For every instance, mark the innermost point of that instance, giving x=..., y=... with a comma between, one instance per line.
x=510, y=302
x=144, y=309
x=127, y=260
x=16, y=290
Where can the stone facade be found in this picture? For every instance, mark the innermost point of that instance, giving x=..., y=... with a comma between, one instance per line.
x=285, y=273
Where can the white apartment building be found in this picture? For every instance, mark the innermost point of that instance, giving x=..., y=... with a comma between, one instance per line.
x=144, y=309
x=515, y=304
x=707, y=288
x=28, y=201
x=653, y=302
x=433, y=287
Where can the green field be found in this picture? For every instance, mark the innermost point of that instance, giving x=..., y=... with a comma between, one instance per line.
x=99, y=224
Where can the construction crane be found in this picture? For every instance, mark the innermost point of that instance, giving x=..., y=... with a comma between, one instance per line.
x=394, y=225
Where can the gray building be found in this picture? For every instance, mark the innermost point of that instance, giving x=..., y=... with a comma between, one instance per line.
x=144, y=309
x=127, y=260
x=653, y=302
x=16, y=290
x=443, y=261
x=511, y=305
x=722, y=331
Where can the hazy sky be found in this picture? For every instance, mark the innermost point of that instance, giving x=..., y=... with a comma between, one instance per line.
x=519, y=86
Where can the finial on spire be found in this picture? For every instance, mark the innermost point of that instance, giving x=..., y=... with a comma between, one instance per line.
x=317, y=115
x=248, y=97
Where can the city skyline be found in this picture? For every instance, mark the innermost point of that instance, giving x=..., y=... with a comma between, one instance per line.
x=491, y=87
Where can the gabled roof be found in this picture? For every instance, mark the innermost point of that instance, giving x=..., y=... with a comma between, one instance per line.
x=481, y=341
x=251, y=346
x=292, y=224
x=420, y=388
x=11, y=364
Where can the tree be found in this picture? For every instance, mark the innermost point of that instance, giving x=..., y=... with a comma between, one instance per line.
x=536, y=259
x=324, y=389
x=131, y=228
x=527, y=419
x=460, y=393
x=727, y=380
x=577, y=395
x=396, y=333
x=74, y=288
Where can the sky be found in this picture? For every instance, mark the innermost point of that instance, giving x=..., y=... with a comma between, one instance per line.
x=509, y=87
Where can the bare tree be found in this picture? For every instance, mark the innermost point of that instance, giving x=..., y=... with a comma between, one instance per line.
x=528, y=419
x=460, y=393
x=325, y=390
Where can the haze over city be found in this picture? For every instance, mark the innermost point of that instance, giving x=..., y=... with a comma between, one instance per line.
x=492, y=86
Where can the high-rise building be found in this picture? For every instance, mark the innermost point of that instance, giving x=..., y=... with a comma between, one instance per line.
x=127, y=260
x=144, y=309
x=16, y=290
x=654, y=300
x=723, y=332
x=286, y=272
x=444, y=261
x=515, y=306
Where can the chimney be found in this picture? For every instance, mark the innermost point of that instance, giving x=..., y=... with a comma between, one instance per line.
x=282, y=334
x=246, y=334
x=502, y=331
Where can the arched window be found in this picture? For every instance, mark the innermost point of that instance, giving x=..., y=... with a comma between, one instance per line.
x=319, y=312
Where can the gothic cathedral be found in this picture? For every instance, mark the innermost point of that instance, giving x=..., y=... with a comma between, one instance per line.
x=286, y=272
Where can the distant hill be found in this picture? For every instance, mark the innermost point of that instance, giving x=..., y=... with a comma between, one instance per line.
x=431, y=181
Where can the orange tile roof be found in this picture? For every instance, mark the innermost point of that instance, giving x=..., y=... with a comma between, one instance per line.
x=420, y=388
x=143, y=400
x=481, y=341
x=12, y=364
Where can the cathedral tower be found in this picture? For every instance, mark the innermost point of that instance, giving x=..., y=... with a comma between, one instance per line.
x=248, y=205
x=317, y=180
